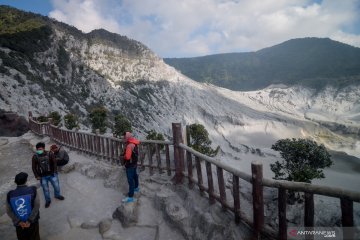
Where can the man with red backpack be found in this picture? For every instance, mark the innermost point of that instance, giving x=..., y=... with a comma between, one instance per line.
x=61, y=156
x=45, y=169
x=130, y=161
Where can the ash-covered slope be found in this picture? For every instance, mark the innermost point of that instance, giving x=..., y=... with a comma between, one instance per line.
x=50, y=66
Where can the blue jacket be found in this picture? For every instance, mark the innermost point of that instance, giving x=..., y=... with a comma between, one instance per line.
x=23, y=192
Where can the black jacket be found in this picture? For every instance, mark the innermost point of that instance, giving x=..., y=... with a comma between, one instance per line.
x=36, y=165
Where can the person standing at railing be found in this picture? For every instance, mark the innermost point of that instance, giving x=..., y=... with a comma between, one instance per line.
x=130, y=157
x=45, y=169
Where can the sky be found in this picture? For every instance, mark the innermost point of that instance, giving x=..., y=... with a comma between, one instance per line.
x=188, y=28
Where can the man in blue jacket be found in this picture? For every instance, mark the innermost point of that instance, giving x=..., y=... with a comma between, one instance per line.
x=22, y=206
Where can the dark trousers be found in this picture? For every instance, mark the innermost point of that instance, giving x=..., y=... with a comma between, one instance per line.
x=30, y=233
x=133, y=180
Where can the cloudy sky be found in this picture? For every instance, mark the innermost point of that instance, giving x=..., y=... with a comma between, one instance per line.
x=185, y=28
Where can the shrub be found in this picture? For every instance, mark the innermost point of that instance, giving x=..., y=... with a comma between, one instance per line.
x=42, y=119
x=71, y=121
x=122, y=124
x=153, y=135
x=199, y=140
x=98, y=119
x=303, y=160
x=56, y=118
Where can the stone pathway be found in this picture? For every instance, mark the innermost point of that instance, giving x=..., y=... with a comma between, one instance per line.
x=92, y=209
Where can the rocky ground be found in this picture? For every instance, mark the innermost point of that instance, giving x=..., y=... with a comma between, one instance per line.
x=93, y=210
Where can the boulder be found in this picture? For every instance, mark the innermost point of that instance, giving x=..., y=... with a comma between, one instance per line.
x=74, y=221
x=127, y=213
x=176, y=212
x=89, y=224
x=67, y=168
x=105, y=225
x=12, y=125
x=94, y=170
x=111, y=235
x=115, y=231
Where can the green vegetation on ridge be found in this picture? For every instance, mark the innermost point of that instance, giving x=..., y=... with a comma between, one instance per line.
x=23, y=32
x=14, y=21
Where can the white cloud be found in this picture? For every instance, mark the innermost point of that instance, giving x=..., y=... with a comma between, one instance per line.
x=191, y=28
x=83, y=14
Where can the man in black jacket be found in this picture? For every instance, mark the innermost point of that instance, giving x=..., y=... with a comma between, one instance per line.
x=22, y=206
x=45, y=169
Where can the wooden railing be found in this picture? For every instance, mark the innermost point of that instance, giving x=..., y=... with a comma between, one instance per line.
x=110, y=148
x=107, y=148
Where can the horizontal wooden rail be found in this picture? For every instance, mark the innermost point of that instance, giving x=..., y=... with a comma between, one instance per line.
x=312, y=188
x=294, y=186
x=218, y=163
x=105, y=147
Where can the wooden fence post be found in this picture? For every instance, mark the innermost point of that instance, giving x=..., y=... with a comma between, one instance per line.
x=210, y=182
x=189, y=159
x=108, y=150
x=167, y=154
x=112, y=150
x=150, y=159
x=309, y=213
x=199, y=174
x=258, y=200
x=347, y=218
x=98, y=149
x=178, y=153
x=221, y=184
x=49, y=132
x=282, y=198
x=158, y=157
x=236, y=196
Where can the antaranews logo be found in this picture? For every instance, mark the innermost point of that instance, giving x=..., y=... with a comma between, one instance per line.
x=345, y=233
x=293, y=233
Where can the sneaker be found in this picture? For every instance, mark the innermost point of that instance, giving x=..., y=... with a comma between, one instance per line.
x=47, y=204
x=60, y=197
x=128, y=200
x=136, y=190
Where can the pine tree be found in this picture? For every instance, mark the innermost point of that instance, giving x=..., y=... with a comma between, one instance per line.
x=56, y=118
x=71, y=121
x=122, y=125
x=199, y=140
x=153, y=135
x=98, y=118
x=303, y=160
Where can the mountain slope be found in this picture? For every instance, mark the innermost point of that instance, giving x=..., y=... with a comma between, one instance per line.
x=312, y=62
x=66, y=70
